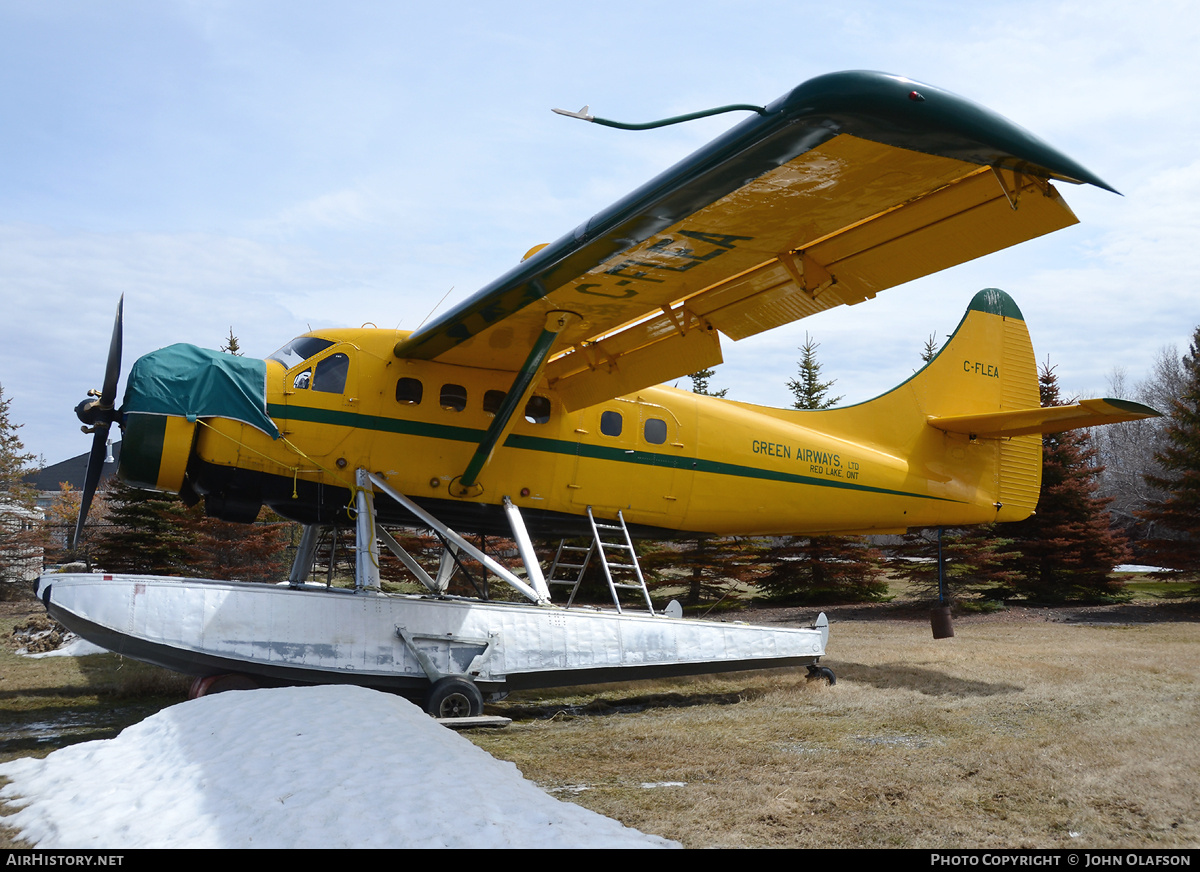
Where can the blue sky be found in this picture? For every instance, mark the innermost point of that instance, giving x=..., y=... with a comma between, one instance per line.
x=275, y=166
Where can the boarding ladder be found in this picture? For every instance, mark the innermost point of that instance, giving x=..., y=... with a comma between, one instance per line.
x=611, y=542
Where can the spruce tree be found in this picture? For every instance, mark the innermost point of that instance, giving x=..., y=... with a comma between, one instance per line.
x=20, y=532
x=61, y=515
x=819, y=568
x=809, y=390
x=930, y=350
x=231, y=345
x=708, y=568
x=422, y=545
x=233, y=551
x=700, y=384
x=823, y=569
x=1174, y=536
x=147, y=533
x=978, y=562
x=1066, y=549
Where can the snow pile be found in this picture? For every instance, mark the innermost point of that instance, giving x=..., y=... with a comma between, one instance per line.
x=313, y=767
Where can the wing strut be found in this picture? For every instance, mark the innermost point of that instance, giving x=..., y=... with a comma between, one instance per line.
x=515, y=399
x=529, y=557
x=366, y=480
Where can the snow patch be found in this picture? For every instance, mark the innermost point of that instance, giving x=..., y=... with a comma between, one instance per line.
x=296, y=767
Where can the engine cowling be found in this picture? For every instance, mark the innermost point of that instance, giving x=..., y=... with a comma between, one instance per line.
x=155, y=451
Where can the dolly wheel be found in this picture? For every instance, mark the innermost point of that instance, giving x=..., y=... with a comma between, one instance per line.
x=454, y=697
x=210, y=684
x=821, y=673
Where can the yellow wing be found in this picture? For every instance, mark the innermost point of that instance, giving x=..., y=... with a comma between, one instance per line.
x=849, y=184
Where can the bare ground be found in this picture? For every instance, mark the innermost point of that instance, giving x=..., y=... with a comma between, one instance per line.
x=1033, y=727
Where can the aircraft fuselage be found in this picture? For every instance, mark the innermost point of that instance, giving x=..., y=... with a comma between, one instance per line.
x=670, y=460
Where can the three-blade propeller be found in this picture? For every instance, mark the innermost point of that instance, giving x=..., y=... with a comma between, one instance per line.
x=97, y=415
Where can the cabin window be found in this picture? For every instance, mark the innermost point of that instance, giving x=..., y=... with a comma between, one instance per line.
x=409, y=391
x=655, y=431
x=610, y=423
x=301, y=381
x=331, y=374
x=454, y=398
x=537, y=410
x=492, y=401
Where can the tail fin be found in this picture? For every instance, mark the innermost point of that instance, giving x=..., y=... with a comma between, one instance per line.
x=987, y=367
x=984, y=385
x=969, y=422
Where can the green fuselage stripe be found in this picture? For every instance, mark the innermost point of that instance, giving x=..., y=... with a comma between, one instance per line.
x=542, y=444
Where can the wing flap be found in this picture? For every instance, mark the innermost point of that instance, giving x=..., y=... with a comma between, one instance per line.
x=949, y=226
x=673, y=344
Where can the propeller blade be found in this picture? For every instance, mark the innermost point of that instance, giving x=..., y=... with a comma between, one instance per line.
x=92, y=479
x=108, y=398
x=112, y=371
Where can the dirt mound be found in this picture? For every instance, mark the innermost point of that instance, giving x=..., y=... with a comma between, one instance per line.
x=37, y=634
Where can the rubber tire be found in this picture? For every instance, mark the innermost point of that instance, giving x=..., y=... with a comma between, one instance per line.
x=822, y=673
x=454, y=697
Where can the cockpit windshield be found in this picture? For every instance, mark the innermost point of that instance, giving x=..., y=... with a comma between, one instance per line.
x=299, y=349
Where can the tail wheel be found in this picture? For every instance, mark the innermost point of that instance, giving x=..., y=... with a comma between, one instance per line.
x=454, y=697
x=821, y=673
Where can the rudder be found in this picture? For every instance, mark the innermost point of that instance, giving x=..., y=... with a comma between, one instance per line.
x=986, y=367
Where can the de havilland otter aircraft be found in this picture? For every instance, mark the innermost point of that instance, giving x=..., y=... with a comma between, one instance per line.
x=536, y=407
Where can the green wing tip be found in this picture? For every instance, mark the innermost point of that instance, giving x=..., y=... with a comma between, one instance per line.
x=901, y=111
x=1131, y=406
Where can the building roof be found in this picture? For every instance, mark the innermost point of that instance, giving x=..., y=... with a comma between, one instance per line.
x=73, y=471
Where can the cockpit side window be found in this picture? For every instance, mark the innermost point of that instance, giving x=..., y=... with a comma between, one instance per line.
x=331, y=374
x=300, y=382
x=300, y=348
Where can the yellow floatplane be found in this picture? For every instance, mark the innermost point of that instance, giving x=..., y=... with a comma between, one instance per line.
x=535, y=408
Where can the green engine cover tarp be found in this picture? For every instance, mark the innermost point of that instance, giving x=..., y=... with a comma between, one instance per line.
x=192, y=382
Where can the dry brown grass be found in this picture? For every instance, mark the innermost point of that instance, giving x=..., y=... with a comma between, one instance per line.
x=1012, y=734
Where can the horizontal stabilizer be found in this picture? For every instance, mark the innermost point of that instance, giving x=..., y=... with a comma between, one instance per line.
x=1051, y=419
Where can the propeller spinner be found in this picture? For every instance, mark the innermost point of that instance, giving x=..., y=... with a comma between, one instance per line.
x=97, y=415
